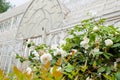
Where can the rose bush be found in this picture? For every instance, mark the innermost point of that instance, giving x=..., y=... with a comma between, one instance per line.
x=90, y=52
x=98, y=51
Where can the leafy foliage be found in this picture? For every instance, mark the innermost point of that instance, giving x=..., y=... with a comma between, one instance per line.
x=4, y=6
x=97, y=48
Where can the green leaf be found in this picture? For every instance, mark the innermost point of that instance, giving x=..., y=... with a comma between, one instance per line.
x=108, y=70
x=100, y=70
x=108, y=77
x=92, y=37
x=22, y=59
x=112, y=28
x=106, y=56
x=69, y=68
x=97, y=54
x=116, y=45
x=94, y=64
x=85, y=67
x=17, y=56
x=77, y=27
x=85, y=21
x=101, y=21
x=117, y=76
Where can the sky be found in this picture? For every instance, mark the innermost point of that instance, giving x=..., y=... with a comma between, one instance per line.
x=17, y=2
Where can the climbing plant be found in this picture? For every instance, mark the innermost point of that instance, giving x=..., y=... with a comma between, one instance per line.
x=90, y=52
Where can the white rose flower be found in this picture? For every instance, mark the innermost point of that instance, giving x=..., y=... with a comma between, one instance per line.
x=108, y=42
x=45, y=58
x=95, y=29
x=96, y=50
x=63, y=54
x=60, y=52
x=84, y=43
x=97, y=39
x=28, y=70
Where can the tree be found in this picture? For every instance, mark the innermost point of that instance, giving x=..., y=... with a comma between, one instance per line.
x=4, y=6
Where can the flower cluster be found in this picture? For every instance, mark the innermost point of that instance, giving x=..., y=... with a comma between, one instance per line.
x=98, y=50
x=85, y=42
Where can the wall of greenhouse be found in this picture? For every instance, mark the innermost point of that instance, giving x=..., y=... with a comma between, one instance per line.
x=12, y=24
x=9, y=45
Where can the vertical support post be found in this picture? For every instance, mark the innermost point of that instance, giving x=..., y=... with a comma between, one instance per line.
x=5, y=62
x=9, y=65
x=0, y=56
x=11, y=24
x=43, y=35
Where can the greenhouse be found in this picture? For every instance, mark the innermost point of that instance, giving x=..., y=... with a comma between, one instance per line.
x=61, y=40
